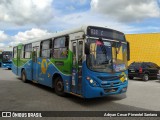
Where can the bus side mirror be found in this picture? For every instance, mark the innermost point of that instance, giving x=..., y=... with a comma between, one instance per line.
x=87, y=48
x=128, y=51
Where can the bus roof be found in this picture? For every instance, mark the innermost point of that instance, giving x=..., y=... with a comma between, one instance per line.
x=62, y=33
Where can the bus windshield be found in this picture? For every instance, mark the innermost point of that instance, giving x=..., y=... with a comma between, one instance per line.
x=6, y=56
x=106, y=56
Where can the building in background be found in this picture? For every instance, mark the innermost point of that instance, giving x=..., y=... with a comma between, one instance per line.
x=144, y=47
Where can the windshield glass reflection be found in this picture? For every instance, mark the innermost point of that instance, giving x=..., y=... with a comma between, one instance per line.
x=106, y=56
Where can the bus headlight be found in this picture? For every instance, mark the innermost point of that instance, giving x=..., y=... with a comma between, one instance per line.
x=92, y=82
x=126, y=78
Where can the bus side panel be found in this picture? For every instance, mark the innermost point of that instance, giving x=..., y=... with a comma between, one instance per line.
x=14, y=66
x=28, y=69
x=26, y=64
x=47, y=70
x=22, y=64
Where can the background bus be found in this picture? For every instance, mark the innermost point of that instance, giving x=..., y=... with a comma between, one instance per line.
x=7, y=58
x=88, y=62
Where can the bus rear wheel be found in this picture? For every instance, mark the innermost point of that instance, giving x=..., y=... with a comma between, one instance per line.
x=59, y=86
x=23, y=76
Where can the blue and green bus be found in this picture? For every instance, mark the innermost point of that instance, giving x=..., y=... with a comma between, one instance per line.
x=88, y=62
x=6, y=58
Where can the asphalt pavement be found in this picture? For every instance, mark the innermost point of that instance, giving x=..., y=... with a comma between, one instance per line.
x=18, y=96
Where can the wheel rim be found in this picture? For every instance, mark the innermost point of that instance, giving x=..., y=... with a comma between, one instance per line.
x=59, y=86
x=146, y=77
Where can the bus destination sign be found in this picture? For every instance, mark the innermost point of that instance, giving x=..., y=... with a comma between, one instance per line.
x=105, y=33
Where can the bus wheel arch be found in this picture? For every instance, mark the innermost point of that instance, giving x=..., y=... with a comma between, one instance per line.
x=58, y=84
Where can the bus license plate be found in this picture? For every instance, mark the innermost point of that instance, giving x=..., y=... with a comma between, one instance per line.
x=112, y=90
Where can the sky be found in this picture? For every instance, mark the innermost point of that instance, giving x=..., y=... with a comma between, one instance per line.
x=22, y=20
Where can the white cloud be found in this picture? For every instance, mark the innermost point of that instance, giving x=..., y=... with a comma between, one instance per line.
x=21, y=12
x=28, y=35
x=3, y=36
x=1, y=45
x=126, y=10
x=22, y=37
x=103, y=12
x=89, y=18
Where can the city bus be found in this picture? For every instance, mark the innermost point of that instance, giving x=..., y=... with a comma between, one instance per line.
x=88, y=62
x=6, y=58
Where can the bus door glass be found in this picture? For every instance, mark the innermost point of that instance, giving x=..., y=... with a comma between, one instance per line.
x=77, y=48
x=34, y=63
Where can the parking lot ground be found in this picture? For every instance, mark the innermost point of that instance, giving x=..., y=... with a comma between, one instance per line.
x=18, y=96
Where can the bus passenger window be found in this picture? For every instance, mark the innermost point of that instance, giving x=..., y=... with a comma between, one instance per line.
x=15, y=52
x=46, y=49
x=27, y=50
x=22, y=52
x=60, y=48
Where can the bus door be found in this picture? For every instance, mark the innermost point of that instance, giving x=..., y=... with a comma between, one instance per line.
x=35, y=63
x=77, y=48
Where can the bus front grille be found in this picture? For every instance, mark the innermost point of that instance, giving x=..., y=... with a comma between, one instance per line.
x=110, y=90
x=108, y=78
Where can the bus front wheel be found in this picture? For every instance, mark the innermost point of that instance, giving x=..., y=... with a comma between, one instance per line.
x=23, y=76
x=59, y=86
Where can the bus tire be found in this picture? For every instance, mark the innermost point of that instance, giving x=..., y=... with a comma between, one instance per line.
x=23, y=76
x=59, y=86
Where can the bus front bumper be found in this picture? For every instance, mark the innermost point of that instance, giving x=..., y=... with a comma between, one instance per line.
x=92, y=92
x=4, y=65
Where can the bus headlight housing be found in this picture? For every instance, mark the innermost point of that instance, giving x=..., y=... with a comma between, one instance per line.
x=92, y=82
x=126, y=78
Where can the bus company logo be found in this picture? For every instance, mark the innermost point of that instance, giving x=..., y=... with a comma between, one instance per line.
x=6, y=114
x=112, y=83
x=44, y=66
